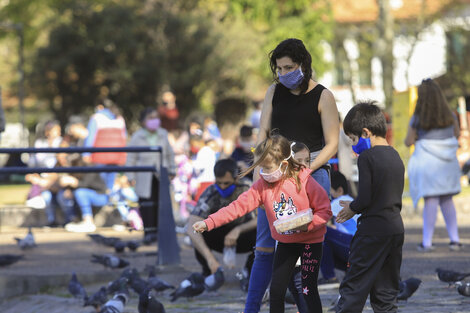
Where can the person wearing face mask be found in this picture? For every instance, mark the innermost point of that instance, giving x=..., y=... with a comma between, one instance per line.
x=240, y=233
x=289, y=195
x=376, y=250
x=242, y=153
x=302, y=110
x=146, y=183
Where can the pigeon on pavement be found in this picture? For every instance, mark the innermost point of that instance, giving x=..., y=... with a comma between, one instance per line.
x=99, y=239
x=117, y=285
x=98, y=299
x=7, y=259
x=215, y=281
x=190, y=287
x=408, y=287
x=109, y=260
x=76, y=289
x=158, y=284
x=450, y=277
x=133, y=245
x=463, y=288
x=119, y=246
x=116, y=304
x=27, y=242
x=148, y=303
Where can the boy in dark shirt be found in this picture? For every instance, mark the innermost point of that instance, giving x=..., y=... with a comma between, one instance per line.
x=376, y=249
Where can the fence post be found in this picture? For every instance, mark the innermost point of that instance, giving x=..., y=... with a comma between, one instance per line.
x=168, y=248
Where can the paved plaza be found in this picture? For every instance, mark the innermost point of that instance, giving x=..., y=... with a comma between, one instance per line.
x=38, y=283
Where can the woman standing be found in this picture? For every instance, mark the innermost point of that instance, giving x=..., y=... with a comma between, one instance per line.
x=146, y=183
x=433, y=169
x=302, y=110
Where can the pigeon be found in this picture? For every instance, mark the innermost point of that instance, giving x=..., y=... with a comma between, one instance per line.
x=133, y=245
x=117, y=285
x=214, y=281
x=99, y=239
x=129, y=273
x=450, y=276
x=76, y=289
x=7, y=259
x=119, y=246
x=110, y=241
x=190, y=287
x=109, y=260
x=408, y=287
x=138, y=284
x=148, y=304
x=97, y=299
x=27, y=242
x=463, y=288
x=158, y=284
x=116, y=304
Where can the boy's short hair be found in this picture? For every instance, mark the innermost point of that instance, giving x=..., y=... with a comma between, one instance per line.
x=365, y=115
x=339, y=180
x=246, y=131
x=226, y=165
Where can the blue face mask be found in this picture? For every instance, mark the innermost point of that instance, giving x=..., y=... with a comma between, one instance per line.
x=227, y=192
x=292, y=79
x=362, y=144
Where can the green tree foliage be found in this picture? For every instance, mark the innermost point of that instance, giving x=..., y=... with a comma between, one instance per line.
x=106, y=53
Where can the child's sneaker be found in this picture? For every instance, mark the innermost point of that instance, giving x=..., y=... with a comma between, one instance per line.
x=422, y=248
x=82, y=227
x=455, y=246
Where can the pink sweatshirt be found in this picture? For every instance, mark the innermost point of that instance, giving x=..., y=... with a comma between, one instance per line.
x=280, y=199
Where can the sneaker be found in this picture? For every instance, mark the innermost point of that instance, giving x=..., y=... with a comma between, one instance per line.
x=455, y=246
x=82, y=227
x=330, y=283
x=422, y=248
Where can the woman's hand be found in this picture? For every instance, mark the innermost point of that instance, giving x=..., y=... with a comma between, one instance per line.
x=200, y=227
x=346, y=213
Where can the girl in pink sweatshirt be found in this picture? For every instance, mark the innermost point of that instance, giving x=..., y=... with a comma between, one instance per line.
x=286, y=189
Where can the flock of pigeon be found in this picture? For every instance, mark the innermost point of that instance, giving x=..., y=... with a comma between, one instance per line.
x=146, y=289
x=194, y=285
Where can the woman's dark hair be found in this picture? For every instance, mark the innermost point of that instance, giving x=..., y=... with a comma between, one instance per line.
x=145, y=112
x=365, y=115
x=432, y=110
x=338, y=180
x=225, y=165
x=296, y=51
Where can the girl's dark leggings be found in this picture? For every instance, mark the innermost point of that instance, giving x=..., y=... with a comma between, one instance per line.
x=284, y=262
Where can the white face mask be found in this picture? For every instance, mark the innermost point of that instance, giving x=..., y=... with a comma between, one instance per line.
x=274, y=176
x=277, y=174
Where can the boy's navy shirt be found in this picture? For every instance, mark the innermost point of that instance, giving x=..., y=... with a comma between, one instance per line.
x=379, y=199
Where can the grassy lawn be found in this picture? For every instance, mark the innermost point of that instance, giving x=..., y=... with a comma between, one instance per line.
x=13, y=194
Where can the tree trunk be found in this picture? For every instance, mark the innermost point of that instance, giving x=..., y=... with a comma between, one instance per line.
x=385, y=49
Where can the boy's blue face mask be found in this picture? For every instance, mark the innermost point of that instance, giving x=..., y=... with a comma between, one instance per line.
x=227, y=192
x=362, y=144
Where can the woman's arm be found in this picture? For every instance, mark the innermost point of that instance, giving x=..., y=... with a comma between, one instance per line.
x=330, y=125
x=411, y=136
x=265, y=121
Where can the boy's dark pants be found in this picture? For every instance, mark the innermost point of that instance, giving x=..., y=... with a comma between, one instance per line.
x=374, y=267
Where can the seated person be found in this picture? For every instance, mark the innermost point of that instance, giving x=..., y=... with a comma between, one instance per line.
x=240, y=233
x=242, y=153
x=89, y=189
x=338, y=236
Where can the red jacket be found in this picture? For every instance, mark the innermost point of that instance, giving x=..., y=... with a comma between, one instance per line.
x=278, y=199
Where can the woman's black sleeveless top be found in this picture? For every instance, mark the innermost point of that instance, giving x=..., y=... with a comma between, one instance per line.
x=297, y=117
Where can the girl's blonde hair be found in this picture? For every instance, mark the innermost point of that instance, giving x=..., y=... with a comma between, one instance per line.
x=276, y=148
